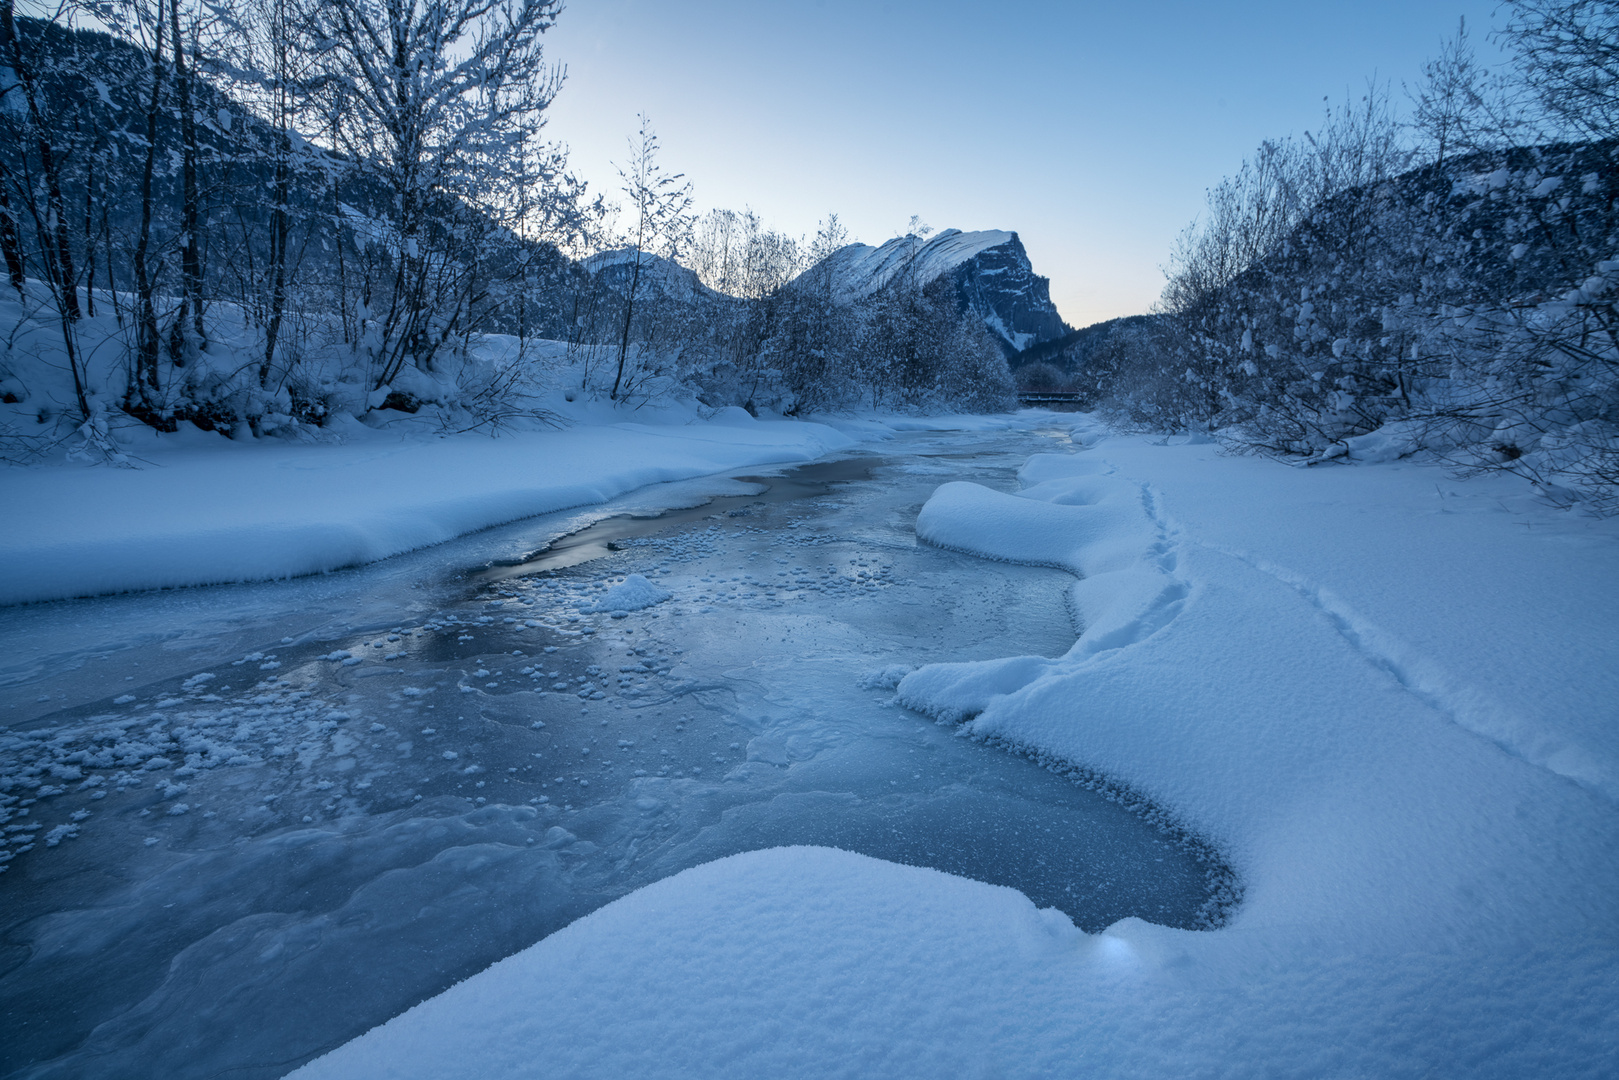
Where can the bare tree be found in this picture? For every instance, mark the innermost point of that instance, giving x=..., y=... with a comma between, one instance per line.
x=1248, y=215
x=146, y=26
x=264, y=55
x=1445, y=106
x=37, y=137
x=439, y=97
x=812, y=343
x=185, y=337
x=713, y=247
x=661, y=208
x=1567, y=54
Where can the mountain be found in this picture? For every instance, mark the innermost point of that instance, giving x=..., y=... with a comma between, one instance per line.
x=616, y=268
x=991, y=270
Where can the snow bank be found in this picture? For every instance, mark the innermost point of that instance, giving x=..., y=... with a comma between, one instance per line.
x=713, y=953
x=1396, y=712
x=206, y=510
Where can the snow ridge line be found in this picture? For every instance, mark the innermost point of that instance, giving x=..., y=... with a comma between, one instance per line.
x=1379, y=649
x=1169, y=603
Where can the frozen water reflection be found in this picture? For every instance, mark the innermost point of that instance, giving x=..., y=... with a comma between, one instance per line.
x=433, y=771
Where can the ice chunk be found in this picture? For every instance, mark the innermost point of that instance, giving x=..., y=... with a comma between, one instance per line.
x=633, y=594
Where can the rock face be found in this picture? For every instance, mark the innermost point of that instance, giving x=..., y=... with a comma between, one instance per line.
x=991, y=270
x=659, y=276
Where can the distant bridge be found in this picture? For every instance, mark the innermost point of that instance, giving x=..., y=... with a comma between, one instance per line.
x=1050, y=397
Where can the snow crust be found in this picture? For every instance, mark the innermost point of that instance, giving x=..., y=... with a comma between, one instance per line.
x=1390, y=696
x=205, y=510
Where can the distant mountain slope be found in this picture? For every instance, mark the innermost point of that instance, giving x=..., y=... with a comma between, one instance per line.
x=860, y=269
x=992, y=272
x=616, y=268
x=1073, y=351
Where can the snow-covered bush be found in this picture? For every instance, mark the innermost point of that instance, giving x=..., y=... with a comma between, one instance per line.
x=1465, y=304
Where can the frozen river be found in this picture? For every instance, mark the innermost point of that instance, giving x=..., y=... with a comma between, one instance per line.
x=248, y=823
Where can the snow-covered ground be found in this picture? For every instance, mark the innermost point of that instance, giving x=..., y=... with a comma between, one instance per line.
x=1391, y=697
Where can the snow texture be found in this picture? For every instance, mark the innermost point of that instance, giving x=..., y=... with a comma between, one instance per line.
x=1394, y=711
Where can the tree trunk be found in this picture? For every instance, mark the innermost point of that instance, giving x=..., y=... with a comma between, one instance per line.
x=57, y=245
x=10, y=237
x=89, y=240
x=190, y=251
x=147, y=336
x=629, y=312
x=280, y=227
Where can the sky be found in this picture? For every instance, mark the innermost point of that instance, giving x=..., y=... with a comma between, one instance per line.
x=1091, y=129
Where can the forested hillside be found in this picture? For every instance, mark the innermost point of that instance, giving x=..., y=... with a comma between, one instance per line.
x=1445, y=285
x=254, y=217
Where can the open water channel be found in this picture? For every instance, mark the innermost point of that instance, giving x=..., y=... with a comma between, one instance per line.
x=248, y=823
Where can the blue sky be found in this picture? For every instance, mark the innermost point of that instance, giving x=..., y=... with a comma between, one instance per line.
x=1092, y=129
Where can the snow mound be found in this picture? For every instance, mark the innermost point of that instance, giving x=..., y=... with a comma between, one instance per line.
x=634, y=593
x=855, y=924
x=1071, y=517
x=732, y=416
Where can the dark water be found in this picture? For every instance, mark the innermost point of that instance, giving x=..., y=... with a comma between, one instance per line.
x=603, y=538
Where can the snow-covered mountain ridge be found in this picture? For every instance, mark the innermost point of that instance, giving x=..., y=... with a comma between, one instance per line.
x=991, y=269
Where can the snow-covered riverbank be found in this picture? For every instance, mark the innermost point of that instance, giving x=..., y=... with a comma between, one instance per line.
x=1390, y=695
x=204, y=510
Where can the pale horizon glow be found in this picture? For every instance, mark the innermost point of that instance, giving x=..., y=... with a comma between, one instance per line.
x=1091, y=130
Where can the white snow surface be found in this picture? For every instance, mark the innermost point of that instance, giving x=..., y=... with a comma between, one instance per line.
x=634, y=593
x=205, y=510
x=860, y=269
x=1390, y=696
